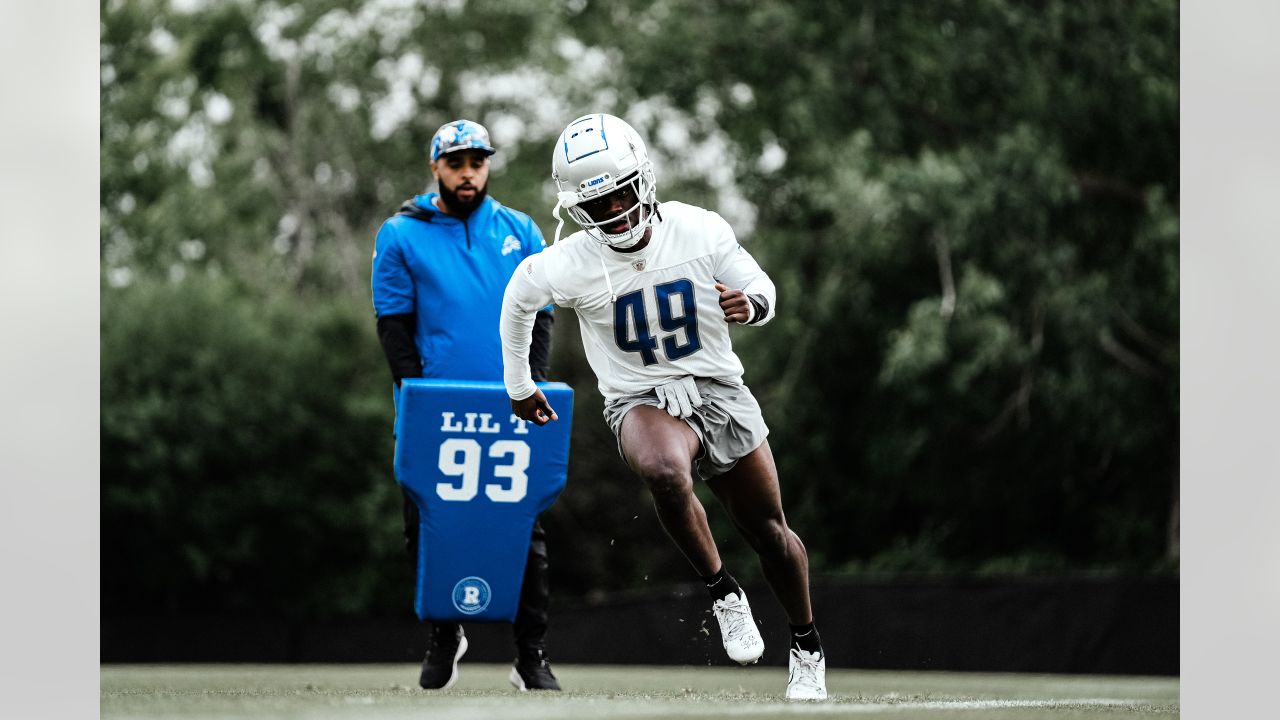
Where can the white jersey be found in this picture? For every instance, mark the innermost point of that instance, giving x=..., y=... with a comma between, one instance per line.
x=647, y=317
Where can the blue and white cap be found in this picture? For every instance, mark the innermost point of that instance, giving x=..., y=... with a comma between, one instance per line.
x=460, y=135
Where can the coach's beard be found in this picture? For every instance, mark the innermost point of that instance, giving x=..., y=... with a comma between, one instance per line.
x=463, y=208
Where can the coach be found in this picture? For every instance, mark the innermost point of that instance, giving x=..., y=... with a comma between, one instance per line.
x=440, y=266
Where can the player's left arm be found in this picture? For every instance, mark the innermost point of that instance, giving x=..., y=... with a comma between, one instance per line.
x=747, y=295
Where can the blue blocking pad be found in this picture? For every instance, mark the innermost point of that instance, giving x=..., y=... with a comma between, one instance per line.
x=479, y=477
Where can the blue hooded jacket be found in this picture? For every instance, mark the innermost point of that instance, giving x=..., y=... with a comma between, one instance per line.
x=451, y=273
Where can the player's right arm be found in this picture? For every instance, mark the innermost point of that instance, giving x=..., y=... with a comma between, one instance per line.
x=527, y=293
x=540, y=350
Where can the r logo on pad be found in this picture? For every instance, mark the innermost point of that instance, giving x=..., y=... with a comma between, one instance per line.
x=471, y=595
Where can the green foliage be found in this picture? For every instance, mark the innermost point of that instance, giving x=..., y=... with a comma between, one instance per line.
x=976, y=352
x=970, y=211
x=246, y=454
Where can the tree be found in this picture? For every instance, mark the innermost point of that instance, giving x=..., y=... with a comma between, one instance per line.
x=970, y=211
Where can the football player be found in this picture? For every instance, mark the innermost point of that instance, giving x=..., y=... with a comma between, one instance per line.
x=655, y=287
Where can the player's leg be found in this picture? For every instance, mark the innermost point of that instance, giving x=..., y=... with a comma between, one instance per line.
x=750, y=492
x=532, y=671
x=446, y=642
x=660, y=449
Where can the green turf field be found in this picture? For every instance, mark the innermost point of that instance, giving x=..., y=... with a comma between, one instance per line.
x=380, y=692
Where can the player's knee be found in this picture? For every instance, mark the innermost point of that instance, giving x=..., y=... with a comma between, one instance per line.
x=668, y=480
x=772, y=539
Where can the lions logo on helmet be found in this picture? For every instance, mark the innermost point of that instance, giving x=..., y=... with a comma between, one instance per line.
x=596, y=155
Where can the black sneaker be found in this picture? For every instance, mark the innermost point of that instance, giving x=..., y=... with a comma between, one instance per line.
x=440, y=666
x=532, y=672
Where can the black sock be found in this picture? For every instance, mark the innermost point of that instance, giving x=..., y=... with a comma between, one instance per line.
x=805, y=637
x=721, y=584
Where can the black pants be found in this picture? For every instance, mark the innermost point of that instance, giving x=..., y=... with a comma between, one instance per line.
x=531, y=617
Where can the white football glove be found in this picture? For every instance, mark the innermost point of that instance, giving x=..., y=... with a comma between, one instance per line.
x=679, y=397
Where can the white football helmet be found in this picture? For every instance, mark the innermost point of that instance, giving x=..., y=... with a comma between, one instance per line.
x=596, y=155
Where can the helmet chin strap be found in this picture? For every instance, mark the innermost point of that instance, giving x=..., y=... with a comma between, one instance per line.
x=631, y=237
x=613, y=294
x=568, y=199
x=637, y=234
x=564, y=199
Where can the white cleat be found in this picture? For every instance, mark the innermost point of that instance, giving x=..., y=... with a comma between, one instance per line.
x=738, y=629
x=808, y=679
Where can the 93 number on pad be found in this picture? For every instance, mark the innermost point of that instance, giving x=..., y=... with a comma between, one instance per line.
x=461, y=458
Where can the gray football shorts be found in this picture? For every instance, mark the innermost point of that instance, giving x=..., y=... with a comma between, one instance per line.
x=729, y=424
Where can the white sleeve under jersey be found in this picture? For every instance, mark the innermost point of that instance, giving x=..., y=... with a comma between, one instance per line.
x=739, y=271
x=521, y=301
x=646, y=317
